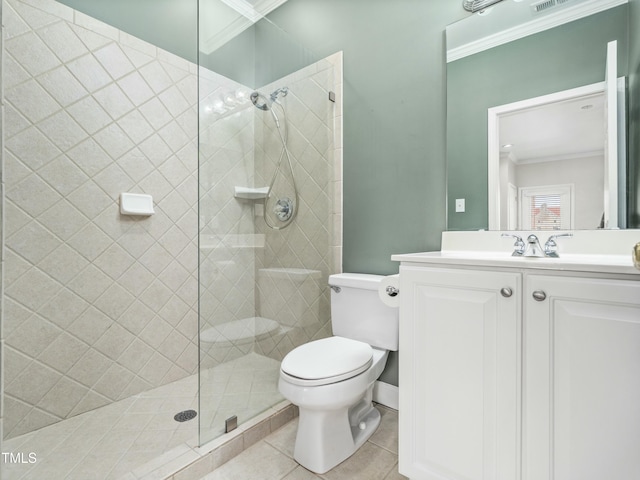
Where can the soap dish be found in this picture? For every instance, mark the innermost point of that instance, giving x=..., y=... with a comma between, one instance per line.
x=136, y=204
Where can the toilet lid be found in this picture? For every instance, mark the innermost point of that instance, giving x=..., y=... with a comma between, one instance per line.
x=328, y=358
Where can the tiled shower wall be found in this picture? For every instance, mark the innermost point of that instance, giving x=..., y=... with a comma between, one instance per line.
x=97, y=306
x=227, y=240
x=249, y=270
x=294, y=265
x=100, y=306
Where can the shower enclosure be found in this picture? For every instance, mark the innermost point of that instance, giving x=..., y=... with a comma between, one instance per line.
x=114, y=324
x=267, y=213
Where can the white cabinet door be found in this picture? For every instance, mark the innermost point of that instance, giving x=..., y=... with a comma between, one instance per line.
x=581, y=391
x=459, y=374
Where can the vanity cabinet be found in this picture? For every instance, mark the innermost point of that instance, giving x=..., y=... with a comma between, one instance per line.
x=581, y=379
x=511, y=373
x=459, y=375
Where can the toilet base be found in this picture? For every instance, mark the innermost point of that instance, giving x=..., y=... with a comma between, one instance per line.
x=326, y=438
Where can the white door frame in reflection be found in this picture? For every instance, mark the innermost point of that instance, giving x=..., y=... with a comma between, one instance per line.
x=494, y=146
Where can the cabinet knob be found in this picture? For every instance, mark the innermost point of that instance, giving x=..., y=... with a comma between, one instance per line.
x=539, y=295
x=506, y=292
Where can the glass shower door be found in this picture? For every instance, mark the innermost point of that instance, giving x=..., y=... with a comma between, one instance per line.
x=266, y=210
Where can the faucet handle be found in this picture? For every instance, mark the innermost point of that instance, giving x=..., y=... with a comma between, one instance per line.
x=519, y=244
x=551, y=247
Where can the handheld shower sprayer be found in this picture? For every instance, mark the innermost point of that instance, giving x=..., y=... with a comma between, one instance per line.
x=285, y=208
x=263, y=103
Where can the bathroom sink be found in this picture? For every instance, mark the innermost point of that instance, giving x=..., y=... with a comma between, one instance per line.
x=587, y=251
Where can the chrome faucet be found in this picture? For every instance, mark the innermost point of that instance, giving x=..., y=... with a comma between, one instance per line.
x=551, y=247
x=519, y=244
x=533, y=248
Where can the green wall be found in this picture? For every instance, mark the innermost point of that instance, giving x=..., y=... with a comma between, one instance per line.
x=565, y=57
x=236, y=59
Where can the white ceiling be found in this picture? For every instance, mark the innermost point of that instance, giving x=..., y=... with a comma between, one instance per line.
x=557, y=131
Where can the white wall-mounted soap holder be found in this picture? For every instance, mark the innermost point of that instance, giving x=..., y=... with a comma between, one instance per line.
x=136, y=204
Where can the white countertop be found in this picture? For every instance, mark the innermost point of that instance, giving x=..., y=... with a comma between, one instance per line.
x=588, y=251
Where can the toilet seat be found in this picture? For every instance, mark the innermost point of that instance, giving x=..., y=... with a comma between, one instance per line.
x=325, y=361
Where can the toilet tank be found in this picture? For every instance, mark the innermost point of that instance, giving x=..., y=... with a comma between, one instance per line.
x=357, y=312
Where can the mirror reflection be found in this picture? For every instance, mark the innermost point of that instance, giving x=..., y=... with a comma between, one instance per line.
x=548, y=164
x=551, y=166
x=522, y=194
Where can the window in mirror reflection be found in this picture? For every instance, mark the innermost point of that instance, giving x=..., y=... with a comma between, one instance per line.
x=547, y=208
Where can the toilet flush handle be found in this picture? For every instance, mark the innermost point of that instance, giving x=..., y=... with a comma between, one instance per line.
x=335, y=288
x=392, y=291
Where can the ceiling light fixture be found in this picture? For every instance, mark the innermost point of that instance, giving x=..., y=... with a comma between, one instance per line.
x=477, y=5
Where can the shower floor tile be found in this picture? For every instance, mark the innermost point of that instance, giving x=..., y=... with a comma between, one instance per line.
x=135, y=434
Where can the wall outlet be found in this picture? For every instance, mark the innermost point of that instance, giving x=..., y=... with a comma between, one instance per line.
x=459, y=205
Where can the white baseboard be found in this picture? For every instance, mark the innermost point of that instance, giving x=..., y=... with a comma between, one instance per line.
x=386, y=394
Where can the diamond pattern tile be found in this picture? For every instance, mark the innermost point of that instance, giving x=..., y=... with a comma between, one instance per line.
x=110, y=301
x=136, y=88
x=114, y=101
x=89, y=72
x=32, y=148
x=63, y=175
x=94, y=444
x=32, y=100
x=114, y=61
x=62, y=40
x=89, y=114
x=32, y=53
x=36, y=18
x=64, y=263
x=89, y=156
x=90, y=199
x=62, y=86
x=33, y=242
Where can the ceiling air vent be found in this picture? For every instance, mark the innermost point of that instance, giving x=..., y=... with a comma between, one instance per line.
x=545, y=5
x=542, y=6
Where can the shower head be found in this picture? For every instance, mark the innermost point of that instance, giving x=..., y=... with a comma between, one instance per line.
x=281, y=92
x=260, y=101
x=264, y=103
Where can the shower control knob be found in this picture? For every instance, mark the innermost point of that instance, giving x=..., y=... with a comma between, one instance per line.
x=283, y=209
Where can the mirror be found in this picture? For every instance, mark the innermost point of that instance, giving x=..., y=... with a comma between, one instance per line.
x=547, y=155
x=555, y=164
x=564, y=58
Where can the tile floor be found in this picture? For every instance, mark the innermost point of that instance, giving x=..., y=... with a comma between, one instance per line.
x=136, y=435
x=272, y=457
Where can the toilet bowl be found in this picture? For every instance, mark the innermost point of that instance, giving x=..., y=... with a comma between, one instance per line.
x=331, y=380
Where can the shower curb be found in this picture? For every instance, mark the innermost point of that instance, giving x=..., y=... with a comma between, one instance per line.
x=187, y=463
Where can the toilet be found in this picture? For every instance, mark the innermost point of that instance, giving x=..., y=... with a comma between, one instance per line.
x=331, y=380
